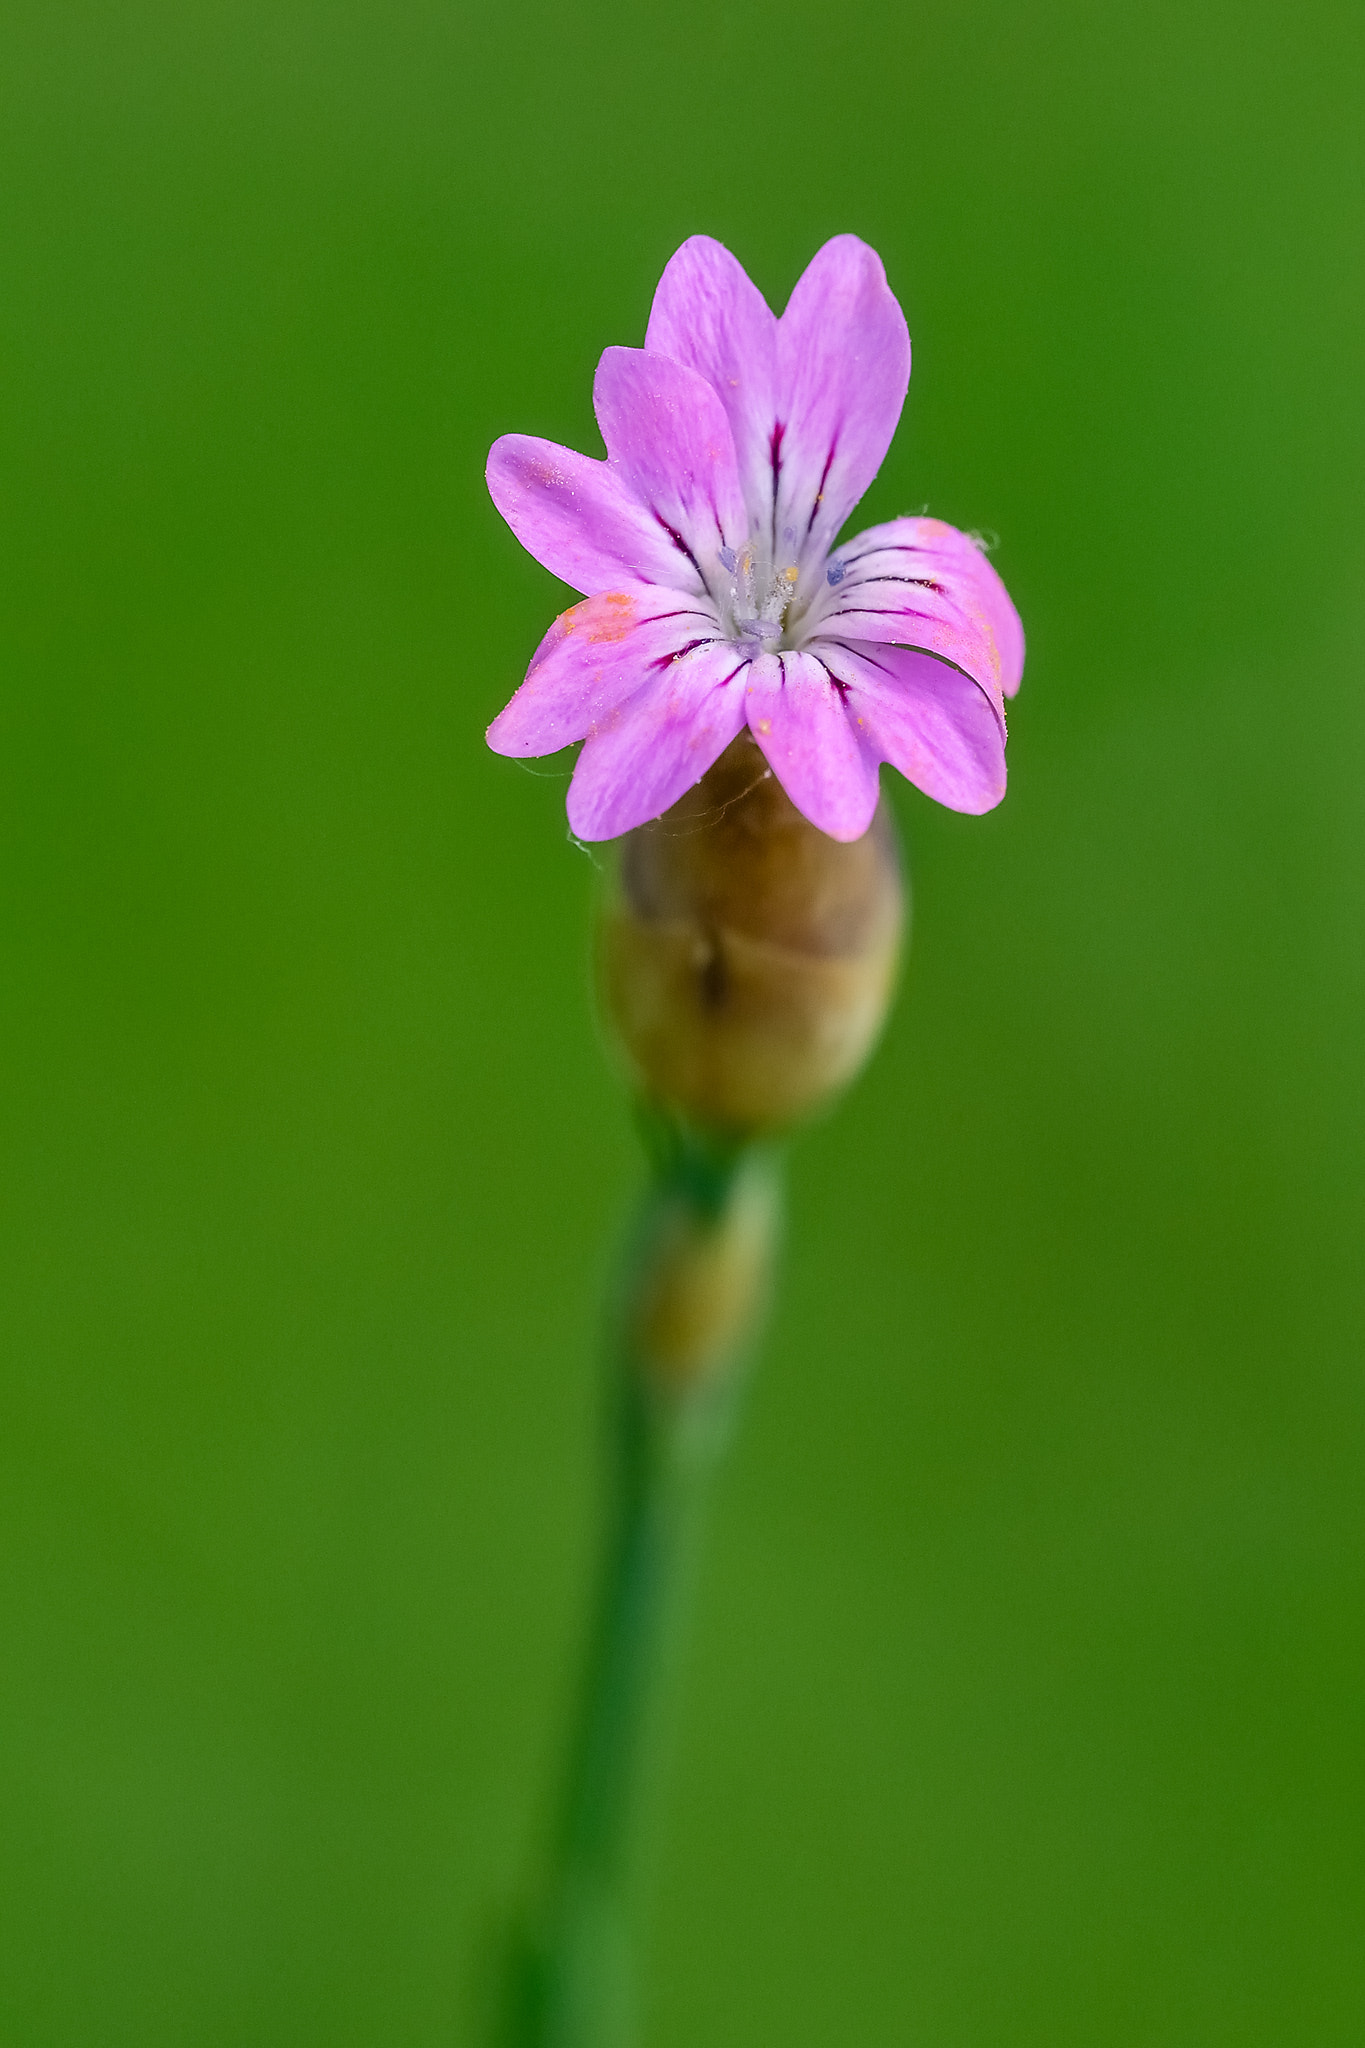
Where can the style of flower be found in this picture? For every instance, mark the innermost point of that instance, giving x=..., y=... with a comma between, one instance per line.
x=714, y=594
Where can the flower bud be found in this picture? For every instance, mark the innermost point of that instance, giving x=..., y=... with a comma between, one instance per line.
x=747, y=959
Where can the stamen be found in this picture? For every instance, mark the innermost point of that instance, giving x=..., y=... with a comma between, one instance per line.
x=760, y=594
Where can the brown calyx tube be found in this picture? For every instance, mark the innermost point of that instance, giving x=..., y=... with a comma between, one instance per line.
x=746, y=963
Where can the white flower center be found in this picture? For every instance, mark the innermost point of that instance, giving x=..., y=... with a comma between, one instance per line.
x=755, y=607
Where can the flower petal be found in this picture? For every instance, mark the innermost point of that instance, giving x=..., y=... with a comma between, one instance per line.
x=798, y=718
x=843, y=367
x=709, y=315
x=909, y=610
x=594, y=658
x=580, y=519
x=922, y=565
x=659, y=744
x=669, y=441
x=937, y=726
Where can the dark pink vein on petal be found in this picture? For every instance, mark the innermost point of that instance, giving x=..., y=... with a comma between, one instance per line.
x=775, y=463
x=679, y=543
x=922, y=582
x=705, y=640
x=897, y=547
x=824, y=479
x=861, y=652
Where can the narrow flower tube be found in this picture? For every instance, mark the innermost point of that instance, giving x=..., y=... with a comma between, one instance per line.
x=746, y=958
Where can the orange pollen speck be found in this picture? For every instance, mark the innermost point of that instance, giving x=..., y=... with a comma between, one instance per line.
x=608, y=616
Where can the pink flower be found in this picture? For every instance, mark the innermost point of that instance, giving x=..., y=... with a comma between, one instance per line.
x=714, y=596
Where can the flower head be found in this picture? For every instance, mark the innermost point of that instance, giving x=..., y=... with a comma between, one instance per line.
x=714, y=594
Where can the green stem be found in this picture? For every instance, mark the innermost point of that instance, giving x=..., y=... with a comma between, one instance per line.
x=570, y=1980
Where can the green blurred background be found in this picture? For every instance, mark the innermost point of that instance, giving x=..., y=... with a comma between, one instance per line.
x=1026, y=1697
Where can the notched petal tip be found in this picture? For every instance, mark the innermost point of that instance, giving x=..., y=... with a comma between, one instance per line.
x=940, y=729
x=843, y=368
x=974, y=799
